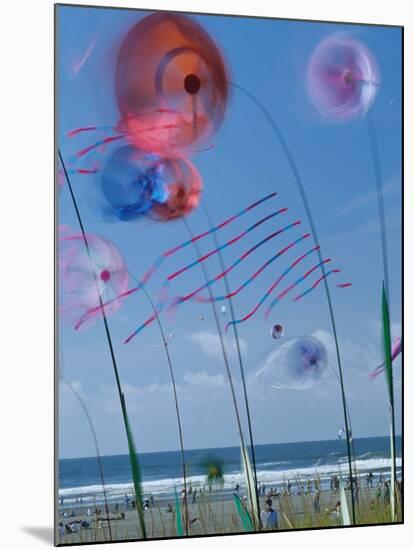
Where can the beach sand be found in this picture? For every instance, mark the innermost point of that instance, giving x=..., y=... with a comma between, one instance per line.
x=210, y=515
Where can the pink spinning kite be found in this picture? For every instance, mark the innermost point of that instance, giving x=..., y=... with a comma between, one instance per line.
x=342, y=78
x=86, y=277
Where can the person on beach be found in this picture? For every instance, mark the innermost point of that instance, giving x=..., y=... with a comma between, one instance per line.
x=85, y=524
x=269, y=517
x=289, y=487
x=169, y=509
x=192, y=521
x=317, y=501
x=126, y=499
x=336, y=511
x=73, y=527
x=386, y=491
x=378, y=493
x=194, y=496
x=356, y=491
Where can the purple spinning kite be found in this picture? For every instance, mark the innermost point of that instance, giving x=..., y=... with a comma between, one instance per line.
x=342, y=78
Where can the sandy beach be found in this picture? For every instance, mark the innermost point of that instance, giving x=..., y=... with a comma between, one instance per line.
x=212, y=516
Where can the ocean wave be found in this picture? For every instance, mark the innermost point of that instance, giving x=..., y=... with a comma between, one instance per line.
x=164, y=487
x=365, y=455
x=275, y=463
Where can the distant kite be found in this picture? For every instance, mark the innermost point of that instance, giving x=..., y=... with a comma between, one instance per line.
x=342, y=77
x=89, y=274
x=395, y=352
x=297, y=364
x=277, y=331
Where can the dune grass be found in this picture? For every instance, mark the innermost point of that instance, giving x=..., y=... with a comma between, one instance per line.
x=209, y=516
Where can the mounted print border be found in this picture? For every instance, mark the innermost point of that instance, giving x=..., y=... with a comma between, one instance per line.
x=228, y=274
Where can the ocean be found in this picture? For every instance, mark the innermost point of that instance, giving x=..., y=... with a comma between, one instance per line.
x=79, y=478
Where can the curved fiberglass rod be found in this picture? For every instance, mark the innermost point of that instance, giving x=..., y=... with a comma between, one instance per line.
x=236, y=262
x=254, y=275
x=384, y=249
x=174, y=387
x=226, y=362
x=134, y=463
x=239, y=354
x=170, y=252
x=271, y=288
x=95, y=441
x=200, y=259
x=277, y=131
x=228, y=243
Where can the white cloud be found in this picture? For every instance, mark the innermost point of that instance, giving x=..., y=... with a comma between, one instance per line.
x=357, y=359
x=211, y=346
x=395, y=329
x=76, y=385
x=370, y=227
x=194, y=386
x=206, y=407
x=361, y=356
x=367, y=198
x=203, y=379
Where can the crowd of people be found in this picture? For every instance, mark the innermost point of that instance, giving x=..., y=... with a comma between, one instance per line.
x=70, y=524
x=302, y=488
x=269, y=517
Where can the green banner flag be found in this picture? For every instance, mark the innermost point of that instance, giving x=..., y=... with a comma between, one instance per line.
x=244, y=515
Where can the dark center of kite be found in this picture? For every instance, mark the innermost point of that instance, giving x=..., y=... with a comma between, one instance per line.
x=348, y=77
x=192, y=84
x=180, y=192
x=105, y=275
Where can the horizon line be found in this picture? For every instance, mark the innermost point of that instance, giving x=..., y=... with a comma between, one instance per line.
x=227, y=447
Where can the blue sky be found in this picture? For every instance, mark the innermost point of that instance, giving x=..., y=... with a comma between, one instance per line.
x=269, y=58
